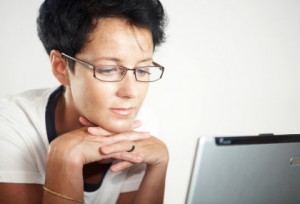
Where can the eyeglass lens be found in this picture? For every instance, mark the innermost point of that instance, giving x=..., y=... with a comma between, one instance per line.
x=115, y=73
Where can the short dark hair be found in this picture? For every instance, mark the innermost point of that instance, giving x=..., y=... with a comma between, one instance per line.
x=64, y=25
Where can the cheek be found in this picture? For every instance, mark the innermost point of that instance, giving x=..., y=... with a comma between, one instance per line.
x=91, y=96
x=96, y=98
x=143, y=91
x=93, y=100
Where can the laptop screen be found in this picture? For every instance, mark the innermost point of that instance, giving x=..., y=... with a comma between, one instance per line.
x=246, y=169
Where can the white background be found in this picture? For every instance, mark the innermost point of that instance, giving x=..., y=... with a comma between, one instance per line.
x=232, y=67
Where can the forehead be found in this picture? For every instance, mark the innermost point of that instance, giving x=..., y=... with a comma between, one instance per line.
x=116, y=36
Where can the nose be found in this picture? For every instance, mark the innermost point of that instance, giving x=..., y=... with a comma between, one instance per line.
x=128, y=87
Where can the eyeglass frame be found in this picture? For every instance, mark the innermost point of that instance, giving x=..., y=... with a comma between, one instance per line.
x=93, y=67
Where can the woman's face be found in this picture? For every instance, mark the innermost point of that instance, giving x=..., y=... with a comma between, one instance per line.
x=111, y=105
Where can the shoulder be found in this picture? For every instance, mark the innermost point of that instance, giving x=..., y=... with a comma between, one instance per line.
x=23, y=113
x=23, y=138
x=25, y=98
x=12, y=106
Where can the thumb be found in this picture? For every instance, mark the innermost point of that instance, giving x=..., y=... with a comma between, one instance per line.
x=96, y=130
x=92, y=129
x=85, y=122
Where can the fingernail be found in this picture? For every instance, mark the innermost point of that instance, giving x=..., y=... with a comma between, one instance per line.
x=114, y=169
x=146, y=134
x=92, y=130
x=139, y=159
x=105, y=150
x=81, y=120
x=138, y=122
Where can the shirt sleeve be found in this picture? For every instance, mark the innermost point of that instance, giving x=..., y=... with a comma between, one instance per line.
x=17, y=161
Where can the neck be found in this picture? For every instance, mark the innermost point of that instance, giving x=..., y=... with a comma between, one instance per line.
x=66, y=115
x=66, y=120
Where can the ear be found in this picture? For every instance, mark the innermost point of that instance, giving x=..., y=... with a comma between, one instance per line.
x=59, y=67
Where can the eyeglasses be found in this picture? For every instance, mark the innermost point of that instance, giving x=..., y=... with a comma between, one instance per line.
x=113, y=73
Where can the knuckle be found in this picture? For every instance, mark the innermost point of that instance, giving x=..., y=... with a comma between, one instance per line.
x=122, y=156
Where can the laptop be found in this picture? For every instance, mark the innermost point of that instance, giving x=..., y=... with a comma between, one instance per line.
x=262, y=169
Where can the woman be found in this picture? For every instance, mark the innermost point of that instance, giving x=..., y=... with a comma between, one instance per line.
x=84, y=141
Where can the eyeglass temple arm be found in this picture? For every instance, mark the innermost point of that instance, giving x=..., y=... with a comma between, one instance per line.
x=79, y=61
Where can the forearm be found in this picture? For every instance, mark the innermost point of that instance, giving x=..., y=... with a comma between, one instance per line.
x=153, y=185
x=70, y=152
x=63, y=177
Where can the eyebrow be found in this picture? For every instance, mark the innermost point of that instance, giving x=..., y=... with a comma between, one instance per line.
x=119, y=60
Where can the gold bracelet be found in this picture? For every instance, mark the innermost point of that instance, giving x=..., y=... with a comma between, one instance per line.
x=62, y=195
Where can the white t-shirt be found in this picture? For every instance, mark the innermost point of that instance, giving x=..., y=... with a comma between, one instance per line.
x=24, y=142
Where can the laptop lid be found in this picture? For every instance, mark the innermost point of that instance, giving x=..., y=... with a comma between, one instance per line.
x=246, y=170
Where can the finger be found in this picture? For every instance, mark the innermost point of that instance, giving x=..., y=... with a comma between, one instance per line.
x=123, y=146
x=136, y=124
x=85, y=122
x=122, y=142
x=100, y=131
x=96, y=131
x=124, y=156
x=120, y=166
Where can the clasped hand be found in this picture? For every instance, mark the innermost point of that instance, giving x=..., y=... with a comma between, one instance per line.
x=95, y=144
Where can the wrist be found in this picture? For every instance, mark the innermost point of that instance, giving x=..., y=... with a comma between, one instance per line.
x=63, y=164
x=162, y=163
x=64, y=174
x=60, y=154
x=163, y=159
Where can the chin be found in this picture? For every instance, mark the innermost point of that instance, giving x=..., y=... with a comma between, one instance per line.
x=117, y=126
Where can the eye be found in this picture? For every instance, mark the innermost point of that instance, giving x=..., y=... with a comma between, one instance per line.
x=106, y=70
x=143, y=71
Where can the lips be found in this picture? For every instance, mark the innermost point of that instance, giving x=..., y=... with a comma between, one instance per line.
x=123, y=111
